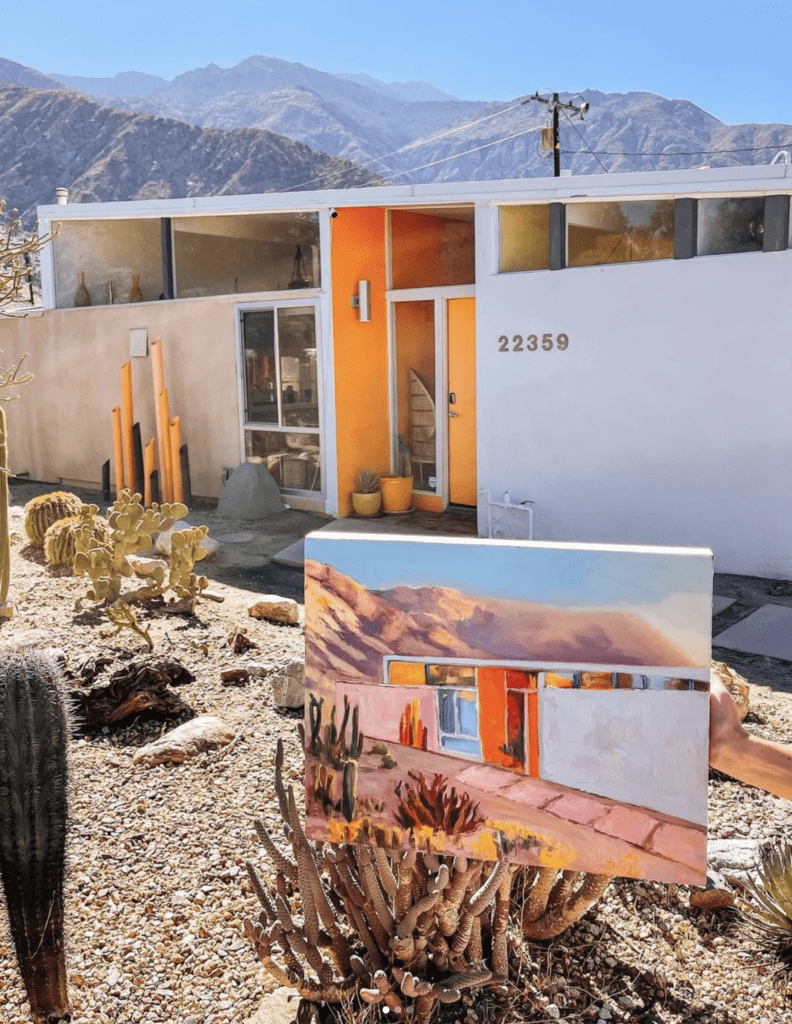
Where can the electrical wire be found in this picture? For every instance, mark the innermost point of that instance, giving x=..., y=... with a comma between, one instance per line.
x=465, y=152
x=690, y=152
x=571, y=122
x=410, y=145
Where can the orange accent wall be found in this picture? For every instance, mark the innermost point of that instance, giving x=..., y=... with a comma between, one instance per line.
x=357, y=253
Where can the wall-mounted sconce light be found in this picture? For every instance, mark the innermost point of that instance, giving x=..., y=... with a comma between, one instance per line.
x=362, y=301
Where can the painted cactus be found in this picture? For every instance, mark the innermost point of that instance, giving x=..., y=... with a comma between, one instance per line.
x=34, y=732
x=41, y=512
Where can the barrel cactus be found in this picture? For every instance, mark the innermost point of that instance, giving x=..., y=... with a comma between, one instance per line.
x=59, y=546
x=46, y=509
x=34, y=732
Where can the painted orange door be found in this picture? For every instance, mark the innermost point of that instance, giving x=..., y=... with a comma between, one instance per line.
x=462, y=401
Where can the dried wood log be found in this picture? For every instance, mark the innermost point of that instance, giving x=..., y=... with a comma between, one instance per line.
x=142, y=684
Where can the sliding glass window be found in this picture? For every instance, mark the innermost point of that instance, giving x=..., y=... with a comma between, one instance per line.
x=281, y=393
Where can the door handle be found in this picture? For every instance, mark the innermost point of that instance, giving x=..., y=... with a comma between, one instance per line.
x=451, y=412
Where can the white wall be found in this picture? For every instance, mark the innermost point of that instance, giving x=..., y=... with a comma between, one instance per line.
x=668, y=418
x=643, y=747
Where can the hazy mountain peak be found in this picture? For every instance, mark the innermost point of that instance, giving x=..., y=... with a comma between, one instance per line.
x=18, y=74
x=125, y=83
x=412, y=91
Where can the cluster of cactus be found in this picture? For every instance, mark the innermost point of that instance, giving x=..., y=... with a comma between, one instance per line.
x=347, y=924
x=333, y=747
x=59, y=540
x=106, y=562
x=41, y=512
x=34, y=732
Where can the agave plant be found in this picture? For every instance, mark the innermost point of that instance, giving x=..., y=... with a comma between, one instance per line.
x=768, y=910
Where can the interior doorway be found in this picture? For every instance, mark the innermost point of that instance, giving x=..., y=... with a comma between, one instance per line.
x=433, y=393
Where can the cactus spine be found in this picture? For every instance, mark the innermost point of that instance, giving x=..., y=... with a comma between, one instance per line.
x=34, y=732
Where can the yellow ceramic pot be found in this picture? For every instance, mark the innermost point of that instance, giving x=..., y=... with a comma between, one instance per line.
x=396, y=493
x=366, y=504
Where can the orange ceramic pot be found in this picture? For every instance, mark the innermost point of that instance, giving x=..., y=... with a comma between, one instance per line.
x=396, y=493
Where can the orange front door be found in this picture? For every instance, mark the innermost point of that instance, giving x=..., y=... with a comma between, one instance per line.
x=462, y=401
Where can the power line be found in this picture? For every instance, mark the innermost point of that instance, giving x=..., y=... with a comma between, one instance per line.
x=690, y=152
x=585, y=143
x=465, y=152
x=554, y=104
x=410, y=145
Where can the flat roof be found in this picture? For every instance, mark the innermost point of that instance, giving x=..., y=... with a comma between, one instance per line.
x=763, y=178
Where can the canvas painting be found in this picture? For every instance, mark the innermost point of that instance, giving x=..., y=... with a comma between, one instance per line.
x=537, y=703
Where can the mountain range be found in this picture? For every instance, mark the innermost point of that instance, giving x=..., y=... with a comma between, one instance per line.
x=268, y=124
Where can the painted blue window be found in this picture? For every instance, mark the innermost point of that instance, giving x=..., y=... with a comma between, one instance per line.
x=457, y=714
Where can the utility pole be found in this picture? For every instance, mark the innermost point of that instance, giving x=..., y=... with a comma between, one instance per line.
x=555, y=105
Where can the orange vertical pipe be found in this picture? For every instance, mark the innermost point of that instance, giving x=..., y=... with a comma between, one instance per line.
x=118, y=449
x=175, y=447
x=163, y=425
x=166, y=463
x=127, y=421
x=149, y=465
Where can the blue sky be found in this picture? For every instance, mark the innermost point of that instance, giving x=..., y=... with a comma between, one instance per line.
x=732, y=59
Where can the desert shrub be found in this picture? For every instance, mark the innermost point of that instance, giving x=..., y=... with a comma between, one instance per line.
x=767, y=911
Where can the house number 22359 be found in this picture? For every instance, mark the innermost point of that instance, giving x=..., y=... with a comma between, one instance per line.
x=532, y=342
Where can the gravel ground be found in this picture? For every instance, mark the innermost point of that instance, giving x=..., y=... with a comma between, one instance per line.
x=157, y=891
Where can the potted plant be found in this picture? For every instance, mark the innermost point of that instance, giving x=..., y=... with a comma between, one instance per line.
x=397, y=489
x=366, y=497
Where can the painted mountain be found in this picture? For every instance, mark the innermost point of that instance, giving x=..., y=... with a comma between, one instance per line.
x=355, y=627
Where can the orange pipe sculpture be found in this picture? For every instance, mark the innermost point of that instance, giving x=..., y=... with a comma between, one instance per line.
x=127, y=422
x=166, y=462
x=163, y=424
x=118, y=449
x=149, y=465
x=175, y=448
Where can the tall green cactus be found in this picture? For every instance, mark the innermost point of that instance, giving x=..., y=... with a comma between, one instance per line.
x=34, y=731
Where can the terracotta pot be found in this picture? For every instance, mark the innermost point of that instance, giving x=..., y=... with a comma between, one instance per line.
x=366, y=504
x=396, y=493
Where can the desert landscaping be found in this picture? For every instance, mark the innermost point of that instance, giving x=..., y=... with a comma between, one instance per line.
x=157, y=891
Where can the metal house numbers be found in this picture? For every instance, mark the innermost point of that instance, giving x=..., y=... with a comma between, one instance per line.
x=532, y=342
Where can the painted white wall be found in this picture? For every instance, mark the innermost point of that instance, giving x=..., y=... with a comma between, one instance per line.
x=666, y=421
x=643, y=747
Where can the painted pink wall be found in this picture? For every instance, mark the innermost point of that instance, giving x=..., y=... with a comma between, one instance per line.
x=381, y=708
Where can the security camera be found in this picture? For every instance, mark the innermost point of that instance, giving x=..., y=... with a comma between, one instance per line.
x=333, y=211
x=584, y=108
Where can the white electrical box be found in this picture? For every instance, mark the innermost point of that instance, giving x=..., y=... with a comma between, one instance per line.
x=138, y=341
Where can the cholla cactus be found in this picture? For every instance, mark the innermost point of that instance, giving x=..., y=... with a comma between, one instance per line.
x=185, y=552
x=131, y=527
x=41, y=512
x=59, y=544
x=34, y=730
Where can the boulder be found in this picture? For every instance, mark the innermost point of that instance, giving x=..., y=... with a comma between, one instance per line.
x=734, y=858
x=142, y=566
x=187, y=741
x=207, y=552
x=275, y=609
x=250, y=492
x=288, y=685
x=279, y=1007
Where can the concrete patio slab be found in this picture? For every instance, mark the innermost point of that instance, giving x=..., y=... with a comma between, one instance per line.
x=293, y=555
x=720, y=604
x=767, y=631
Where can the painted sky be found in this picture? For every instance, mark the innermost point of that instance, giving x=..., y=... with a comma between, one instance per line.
x=732, y=59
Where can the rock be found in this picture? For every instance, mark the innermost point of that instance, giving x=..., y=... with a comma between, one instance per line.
x=288, y=685
x=279, y=1007
x=207, y=552
x=711, y=898
x=187, y=741
x=735, y=858
x=234, y=676
x=250, y=493
x=143, y=566
x=275, y=609
x=737, y=686
x=260, y=668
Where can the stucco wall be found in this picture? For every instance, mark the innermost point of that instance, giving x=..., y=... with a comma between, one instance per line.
x=382, y=707
x=666, y=420
x=61, y=427
x=642, y=747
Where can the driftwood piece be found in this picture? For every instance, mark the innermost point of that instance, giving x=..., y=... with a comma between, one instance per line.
x=142, y=684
